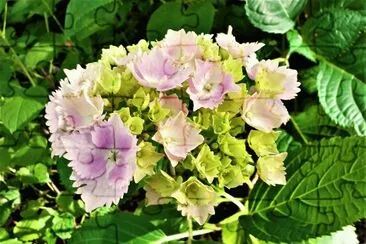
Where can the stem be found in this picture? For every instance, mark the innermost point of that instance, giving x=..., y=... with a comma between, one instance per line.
x=53, y=16
x=283, y=60
x=190, y=230
x=53, y=187
x=233, y=200
x=46, y=22
x=18, y=60
x=5, y=17
x=299, y=131
x=172, y=169
x=186, y=234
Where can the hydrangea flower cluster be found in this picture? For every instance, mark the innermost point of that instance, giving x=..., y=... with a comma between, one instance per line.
x=175, y=116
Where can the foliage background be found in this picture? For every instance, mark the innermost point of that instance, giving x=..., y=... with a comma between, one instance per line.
x=323, y=39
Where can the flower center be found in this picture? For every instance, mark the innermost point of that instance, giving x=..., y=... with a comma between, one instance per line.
x=113, y=156
x=208, y=87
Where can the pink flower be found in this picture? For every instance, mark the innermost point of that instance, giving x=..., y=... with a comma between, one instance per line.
x=235, y=49
x=103, y=159
x=158, y=71
x=178, y=137
x=65, y=113
x=173, y=103
x=80, y=80
x=264, y=113
x=209, y=85
x=180, y=46
x=274, y=81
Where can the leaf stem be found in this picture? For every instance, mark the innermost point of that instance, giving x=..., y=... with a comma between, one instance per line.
x=190, y=230
x=303, y=137
x=233, y=200
x=53, y=16
x=18, y=60
x=186, y=235
x=5, y=17
x=53, y=187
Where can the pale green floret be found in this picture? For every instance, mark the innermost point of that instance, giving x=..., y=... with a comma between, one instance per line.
x=211, y=50
x=141, y=99
x=204, y=119
x=271, y=169
x=263, y=143
x=163, y=184
x=221, y=122
x=233, y=147
x=188, y=162
x=234, y=101
x=129, y=84
x=147, y=159
x=112, y=54
x=194, y=192
x=207, y=163
x=156, y=112
x=124, y=114
x=234, y=67
x=232, y=177
x=237, y=126
x=271, y=84
x=136, y=125
x=109, y=81
x=142, y=45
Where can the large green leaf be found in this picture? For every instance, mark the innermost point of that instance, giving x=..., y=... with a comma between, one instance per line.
x=117, y=227
x=198, y=17
x=298, y=46
x=325, y=190
x=313, y=122
x=338, y=34
x=342, y=96
x=18, y=111
x=274, y=16
x=347, y=234
x=84, y=18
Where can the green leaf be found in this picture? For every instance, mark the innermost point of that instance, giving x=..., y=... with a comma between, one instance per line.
x=31, y=152
x=233, y=233
x=66, y=202
x=274, y=16
x=63, y=225
x=307, y=79
x=9, y=199
x=23, y=9
x=32, y=207
x=18, y=111
x=298, y=46
x=84, y=18
x=31, y=229
x=3, y=234
x=198, y=17
x=326, y=190
x=6, y=71
x=45, y=50
x=33, y=174
x=347, y=233
x=2, y=5
x=342, y=96
x=286, y=143
x=121, y=227
x=338, y=237
x=64, y=172
x=315, y=123
x=338, y=34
